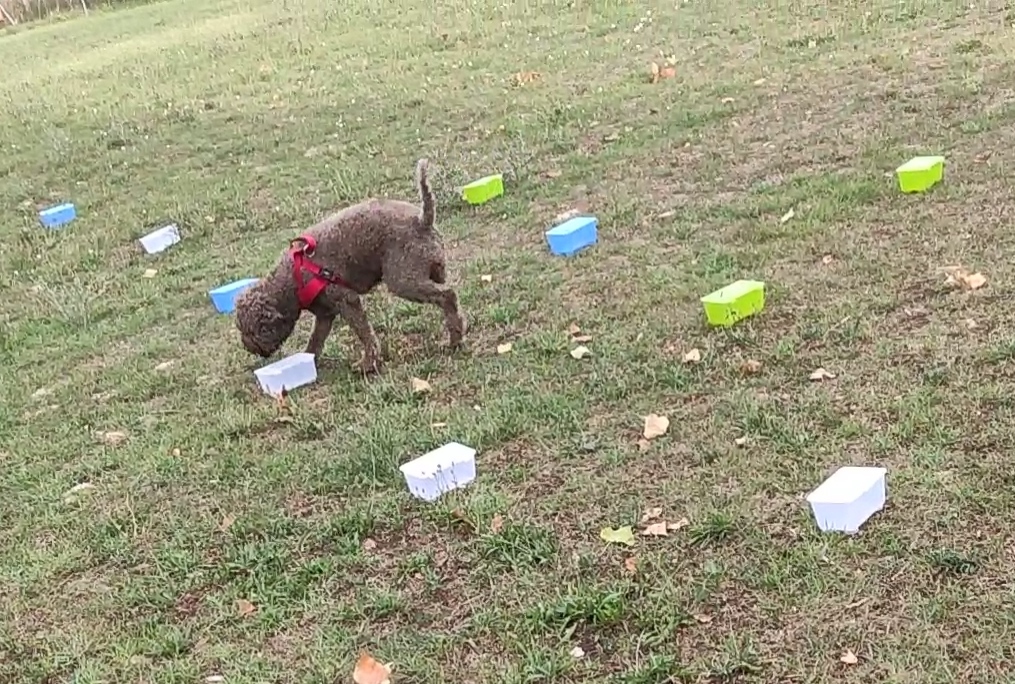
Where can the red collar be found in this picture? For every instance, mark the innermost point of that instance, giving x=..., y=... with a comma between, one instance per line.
x=301, y=249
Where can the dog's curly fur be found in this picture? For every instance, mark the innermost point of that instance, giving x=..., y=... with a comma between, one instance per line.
x=370, y=242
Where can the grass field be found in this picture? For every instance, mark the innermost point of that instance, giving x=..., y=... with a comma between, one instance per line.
x=226, y=535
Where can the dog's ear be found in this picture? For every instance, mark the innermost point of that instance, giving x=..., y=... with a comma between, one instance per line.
x=263, y=326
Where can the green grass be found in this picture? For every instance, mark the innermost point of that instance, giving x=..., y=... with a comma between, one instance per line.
x=246, y=122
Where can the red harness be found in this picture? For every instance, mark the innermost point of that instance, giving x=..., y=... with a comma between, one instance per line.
x=301, y=249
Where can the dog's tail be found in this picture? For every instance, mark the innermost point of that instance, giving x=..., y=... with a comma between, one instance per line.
x=428, y=212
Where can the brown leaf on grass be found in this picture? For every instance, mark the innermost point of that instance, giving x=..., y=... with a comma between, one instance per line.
x=523, y=77
x=655, y=426
x=497, y=524
x=227, y=522
x=553, y=173
x=580, y=352
x=750, y=367
x=245, y=608
x=113, y=438
x=504, y=348
x=849, y=658
x=693, y=356
x=370, y=671
x=643, y=445
x=658, y=73
x=651, y=514
x=679, y=525
x=420, y=386
x=631, y=565
x=573, y=329
x=369, y=544
x=821, y=374
x=658, y=529
x=703, y=619
x=967, y=281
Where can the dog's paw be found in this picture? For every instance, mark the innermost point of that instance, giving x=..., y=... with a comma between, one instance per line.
x=370, y=365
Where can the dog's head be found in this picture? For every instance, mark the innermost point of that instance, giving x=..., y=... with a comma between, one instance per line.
x=264, y=325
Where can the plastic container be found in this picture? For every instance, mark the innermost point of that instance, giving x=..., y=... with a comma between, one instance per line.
x=850, y=496
x=161, y=239
x=57, y=216
x=920, y=173
x=439, y=471
x=484, y=189
x=734, y=302
x=287, y=374
x=224, y=298
x=573, y=235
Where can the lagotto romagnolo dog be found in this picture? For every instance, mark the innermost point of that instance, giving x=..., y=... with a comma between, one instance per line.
x=329, y=267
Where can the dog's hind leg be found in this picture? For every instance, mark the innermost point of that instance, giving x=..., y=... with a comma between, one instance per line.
x=426, y=291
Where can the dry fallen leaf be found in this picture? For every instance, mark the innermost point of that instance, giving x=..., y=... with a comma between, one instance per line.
x=370, y=671
x=149, y=273
x=971, y=324
x=420, y=386
x=658, y=73
x=751, y=366
x=651, y=514
x=369, y=544
x=71, y=495
x=582, y=338
x=577, y=652
x=573, y=329
x=621, y=535
x=643, y=445
x=656, y=530
x=504, y=348
x=821, y=374
x=849, y=658
x=679, y=525
x=165, y=365
x=497, y=524
x=523, y=77
x=245, y=607
x=655, y=426
x=827, y=259
x=968, y=281
x=740, y=441
x=113, y=438
x=580, y=352
x=693, y=356
x=486, y=278
x=787, y=216
x=703, y=619
x=227, y=522
x=974, y=281
x=631, y=565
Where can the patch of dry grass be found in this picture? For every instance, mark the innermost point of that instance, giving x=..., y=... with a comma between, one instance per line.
x=224, y=536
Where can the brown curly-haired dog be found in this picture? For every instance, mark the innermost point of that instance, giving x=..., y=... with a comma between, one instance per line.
x=346, y=255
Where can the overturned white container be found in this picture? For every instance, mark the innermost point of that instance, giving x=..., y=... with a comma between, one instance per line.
x=850, y=496
x=287, y=374
x=439, y=471
x=163, y=238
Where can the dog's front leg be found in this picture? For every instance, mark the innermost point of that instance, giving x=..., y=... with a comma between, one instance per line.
x=352, y=311
x=322, y=328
